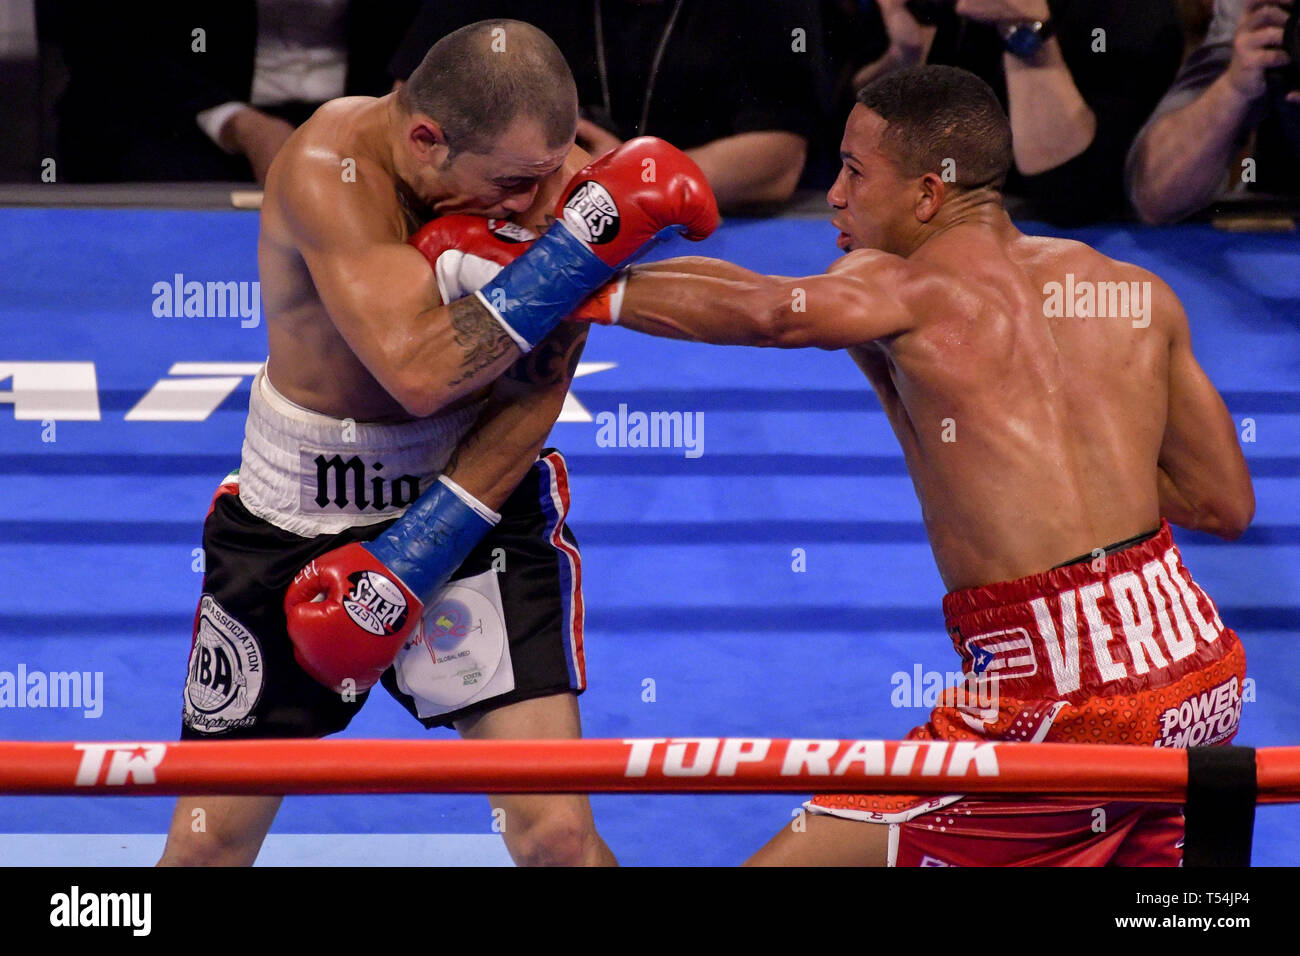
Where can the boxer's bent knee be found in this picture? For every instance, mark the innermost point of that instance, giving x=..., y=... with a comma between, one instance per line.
x=558, y=833
x=210, y=849
x=218, y=831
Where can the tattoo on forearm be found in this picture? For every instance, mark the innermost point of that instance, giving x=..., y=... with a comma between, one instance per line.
x=554, y=360
x=481, y=339
x=507, y=421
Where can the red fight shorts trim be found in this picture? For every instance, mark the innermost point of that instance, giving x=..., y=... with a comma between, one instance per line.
x=1120, y=649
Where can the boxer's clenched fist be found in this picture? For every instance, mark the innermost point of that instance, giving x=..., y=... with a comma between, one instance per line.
x=349, y=611
x=612, y=211
x=466, y=252
x=619, y=203
x=348, y=616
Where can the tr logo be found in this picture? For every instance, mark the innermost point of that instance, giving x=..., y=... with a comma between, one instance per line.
x=128, y=763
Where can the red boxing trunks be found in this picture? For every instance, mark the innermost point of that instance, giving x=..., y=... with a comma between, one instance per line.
x=1119, y=649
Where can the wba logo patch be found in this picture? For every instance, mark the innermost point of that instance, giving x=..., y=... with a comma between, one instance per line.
x=225, y=672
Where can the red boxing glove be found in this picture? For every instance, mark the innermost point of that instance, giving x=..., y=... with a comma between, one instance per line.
x=468, y=251
x=348, y=616
x=656, y=186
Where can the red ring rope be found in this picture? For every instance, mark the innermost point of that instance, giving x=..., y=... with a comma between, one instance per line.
x=650, y=765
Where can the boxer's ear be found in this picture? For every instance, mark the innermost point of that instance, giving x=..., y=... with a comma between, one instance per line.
x=931, y=192
x=427, y=140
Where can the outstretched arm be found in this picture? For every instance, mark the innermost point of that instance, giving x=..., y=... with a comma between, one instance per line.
x=709, y=300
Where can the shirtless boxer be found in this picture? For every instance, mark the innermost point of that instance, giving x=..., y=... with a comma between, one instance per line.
x=1048, y=454
x=398, y=413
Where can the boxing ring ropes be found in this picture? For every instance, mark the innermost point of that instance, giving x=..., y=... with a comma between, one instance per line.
x=1218, y=786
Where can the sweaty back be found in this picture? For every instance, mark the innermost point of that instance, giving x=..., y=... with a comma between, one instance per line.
x=1030, y=402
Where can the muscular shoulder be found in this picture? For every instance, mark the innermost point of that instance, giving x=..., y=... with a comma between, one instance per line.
x=865, y=262
x=328, y=174
x=922, y=288
x=1065, y=269
x=1153, y=304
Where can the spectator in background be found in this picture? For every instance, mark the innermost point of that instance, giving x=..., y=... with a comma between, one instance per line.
x=1077, y=79
x=728, y=81
x=1240, y=80
x=850, y=34
x=148, y=99
x=1196, y=16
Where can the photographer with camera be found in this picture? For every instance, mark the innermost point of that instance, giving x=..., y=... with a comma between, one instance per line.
x=1244, y=78
x=1077, y=80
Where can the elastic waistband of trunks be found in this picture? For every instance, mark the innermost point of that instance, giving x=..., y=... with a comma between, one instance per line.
x=288, y=448
x=1110, y=548
x=1128, y=555
x=301, y=423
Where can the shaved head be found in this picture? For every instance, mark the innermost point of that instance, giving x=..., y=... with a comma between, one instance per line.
x=476, y=81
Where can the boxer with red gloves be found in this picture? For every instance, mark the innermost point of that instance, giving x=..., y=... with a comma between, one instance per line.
x=351, y=610
x=398, y=414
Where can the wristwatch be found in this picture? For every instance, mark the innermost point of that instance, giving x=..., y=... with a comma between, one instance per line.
x=1025, y=38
